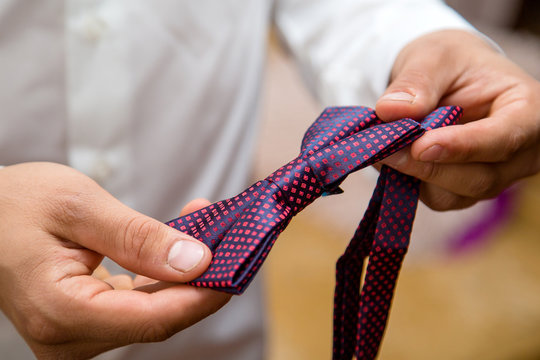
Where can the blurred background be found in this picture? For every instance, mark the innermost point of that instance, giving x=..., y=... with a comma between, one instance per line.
x=458, y=297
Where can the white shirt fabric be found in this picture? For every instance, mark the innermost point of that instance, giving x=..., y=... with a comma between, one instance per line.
x=157, y=101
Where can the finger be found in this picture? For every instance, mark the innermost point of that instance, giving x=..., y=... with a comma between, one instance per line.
x=511, y=125
x=194, y=205
x=101, y=273
x=155, y=286
x=120, y=282
x=419, y=81
x=138, y=243
x=431, y=195
x=141, y=280
x=491, y=139
x=447, y=176
x=126, y=316
x=474, y=180
x=440, y=199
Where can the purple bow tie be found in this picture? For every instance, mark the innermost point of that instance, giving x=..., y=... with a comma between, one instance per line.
x=240, y=231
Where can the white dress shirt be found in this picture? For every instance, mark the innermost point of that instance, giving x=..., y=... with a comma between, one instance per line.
x=157, y=101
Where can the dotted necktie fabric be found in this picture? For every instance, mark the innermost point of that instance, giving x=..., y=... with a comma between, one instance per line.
x=240, y=231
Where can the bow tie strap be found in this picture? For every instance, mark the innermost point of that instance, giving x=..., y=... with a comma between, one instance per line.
x=383, y=235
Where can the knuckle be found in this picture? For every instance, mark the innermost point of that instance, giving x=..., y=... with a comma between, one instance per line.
x=530, y=90
x=484, y=185
x=69, y=207
x=411, y=79
x=442, y=203
x=461, y=148
x=467, y=152
x=139, y=234
x=69, y=201
x=439, y=199
x=516, y=140
x=428, y=171
x=155, y=332
x=535, y=163
x=42, y=330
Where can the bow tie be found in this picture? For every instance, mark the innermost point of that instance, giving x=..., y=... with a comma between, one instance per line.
x=240, y=231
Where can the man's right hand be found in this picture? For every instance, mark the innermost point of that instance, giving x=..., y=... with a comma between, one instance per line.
x=56, y=225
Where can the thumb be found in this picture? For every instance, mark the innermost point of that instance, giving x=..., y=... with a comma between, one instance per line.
x=419, y=81
x=136, y=242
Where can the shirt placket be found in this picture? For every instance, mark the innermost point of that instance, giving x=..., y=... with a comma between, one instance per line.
x=98, y=91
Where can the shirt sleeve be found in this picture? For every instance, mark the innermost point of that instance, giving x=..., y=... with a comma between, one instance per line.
x=346, y=48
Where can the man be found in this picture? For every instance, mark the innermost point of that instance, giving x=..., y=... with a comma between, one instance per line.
x=156, y=102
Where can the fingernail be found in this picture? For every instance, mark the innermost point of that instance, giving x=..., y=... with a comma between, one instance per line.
x=185, y=255
x=399, y=96
x=396, y=160
x=432, y=153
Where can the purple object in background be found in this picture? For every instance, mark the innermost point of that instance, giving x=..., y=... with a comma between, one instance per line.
x=478, y=233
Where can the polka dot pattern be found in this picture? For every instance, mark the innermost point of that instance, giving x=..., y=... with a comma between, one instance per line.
x=383, y=235
x=240, y=231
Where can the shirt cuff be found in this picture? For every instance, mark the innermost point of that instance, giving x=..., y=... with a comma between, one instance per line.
x=364, y=77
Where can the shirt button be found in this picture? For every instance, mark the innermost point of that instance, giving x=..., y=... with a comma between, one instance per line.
x=101, y=169
x=93, y=28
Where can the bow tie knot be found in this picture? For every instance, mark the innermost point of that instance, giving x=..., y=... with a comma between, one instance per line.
x=298, y=184
x=353, y=138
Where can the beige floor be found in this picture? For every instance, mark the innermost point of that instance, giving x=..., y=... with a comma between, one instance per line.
x=481, y=305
